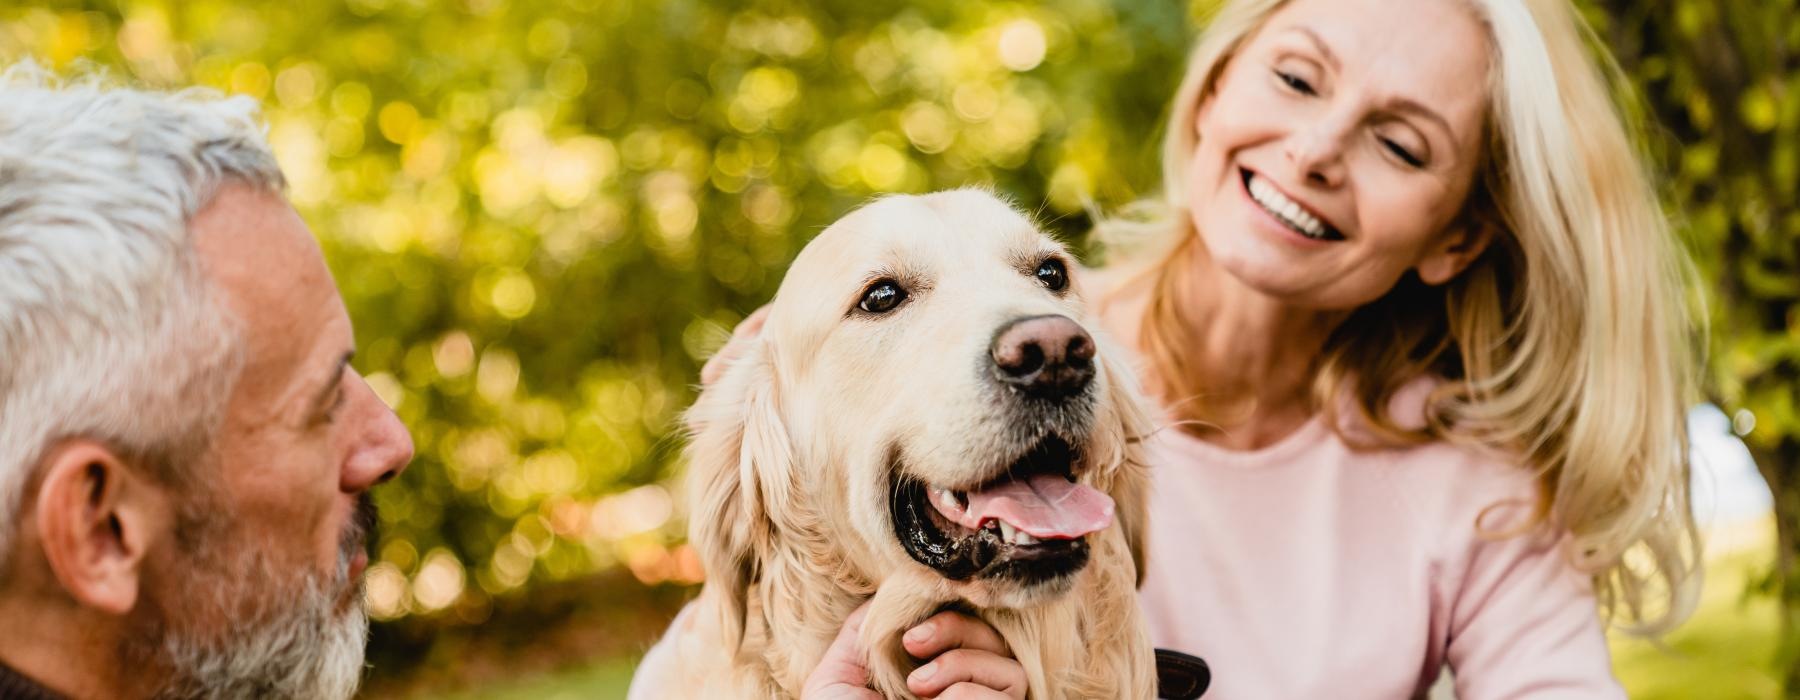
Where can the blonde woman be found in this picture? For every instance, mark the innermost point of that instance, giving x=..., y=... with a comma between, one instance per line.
x=1417, y=323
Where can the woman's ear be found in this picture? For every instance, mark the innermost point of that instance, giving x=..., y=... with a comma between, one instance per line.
x=96, y=521
x=738, y=445
x=1455, y=250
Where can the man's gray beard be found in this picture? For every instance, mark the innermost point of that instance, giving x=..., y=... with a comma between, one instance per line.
x=306, y=649
x=231, y=625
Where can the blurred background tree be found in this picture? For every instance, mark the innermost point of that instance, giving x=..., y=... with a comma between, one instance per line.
x=1723, y=81
x=545, y=213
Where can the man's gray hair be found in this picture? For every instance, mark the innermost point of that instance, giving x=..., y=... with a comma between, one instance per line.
x=109, y=329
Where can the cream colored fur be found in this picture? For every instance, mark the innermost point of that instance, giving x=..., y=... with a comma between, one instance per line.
x=789, y=464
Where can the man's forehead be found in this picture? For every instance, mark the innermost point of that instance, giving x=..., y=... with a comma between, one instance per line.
x=270, y=272
x=251, y=241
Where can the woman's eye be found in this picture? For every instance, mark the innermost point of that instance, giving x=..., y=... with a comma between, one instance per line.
x=882, y=297
x=1053, y=274
x=1295, y=82
x=1400, y=152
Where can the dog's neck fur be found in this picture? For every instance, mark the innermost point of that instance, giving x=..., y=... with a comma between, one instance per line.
x=807, y=588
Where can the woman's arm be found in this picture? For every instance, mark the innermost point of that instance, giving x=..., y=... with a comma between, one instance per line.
x=1524, y=624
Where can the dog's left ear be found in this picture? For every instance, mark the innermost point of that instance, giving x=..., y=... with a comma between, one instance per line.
x=1123, y=453
x=739, y=447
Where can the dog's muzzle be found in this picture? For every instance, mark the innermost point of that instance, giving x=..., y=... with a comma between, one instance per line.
x=1027, y=518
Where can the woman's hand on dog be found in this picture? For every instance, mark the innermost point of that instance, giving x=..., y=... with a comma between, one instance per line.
x=840, y=674
x=969, y=661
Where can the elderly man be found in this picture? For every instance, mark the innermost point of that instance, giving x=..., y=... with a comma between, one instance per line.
x=185, y=450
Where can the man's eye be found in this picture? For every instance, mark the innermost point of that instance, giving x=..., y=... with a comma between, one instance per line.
x=1053, y=274
x=330, y=413
x=882, y=297
x=1296, y=83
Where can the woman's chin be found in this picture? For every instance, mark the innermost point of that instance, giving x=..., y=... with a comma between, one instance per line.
x=1297, y=278
x=1254, y=267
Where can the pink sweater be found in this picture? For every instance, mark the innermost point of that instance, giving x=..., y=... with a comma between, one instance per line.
x=1309, y=570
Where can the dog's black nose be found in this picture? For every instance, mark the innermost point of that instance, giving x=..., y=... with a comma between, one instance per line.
x=1045, y=356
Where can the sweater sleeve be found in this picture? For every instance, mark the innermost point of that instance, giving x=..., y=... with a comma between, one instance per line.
x=1524, y=622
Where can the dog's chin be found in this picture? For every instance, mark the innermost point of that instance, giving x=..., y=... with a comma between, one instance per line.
x=990, y=564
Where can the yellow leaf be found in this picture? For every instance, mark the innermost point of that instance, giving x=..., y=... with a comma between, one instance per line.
x=1757, y=107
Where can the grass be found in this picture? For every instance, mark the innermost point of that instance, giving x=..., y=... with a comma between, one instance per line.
x=606, y=680
x=1723, y=653
x=1725, y=650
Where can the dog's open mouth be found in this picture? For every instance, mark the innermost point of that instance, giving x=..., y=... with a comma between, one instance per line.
x=1029, y=523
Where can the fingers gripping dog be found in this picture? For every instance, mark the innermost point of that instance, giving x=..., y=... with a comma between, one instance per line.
x=927, y=418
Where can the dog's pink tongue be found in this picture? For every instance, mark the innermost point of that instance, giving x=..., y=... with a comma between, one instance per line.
x=1043, y=506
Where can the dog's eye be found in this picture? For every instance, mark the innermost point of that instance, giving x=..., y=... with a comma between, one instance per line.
x=882, y=297
x=1053, y=274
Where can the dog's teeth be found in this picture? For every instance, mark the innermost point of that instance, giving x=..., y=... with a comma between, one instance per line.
x=1006, y=531
x=1023, y=538
x=946, y=500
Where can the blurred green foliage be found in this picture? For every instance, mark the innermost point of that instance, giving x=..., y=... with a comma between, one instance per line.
x=1722, y=80
x=544, y=213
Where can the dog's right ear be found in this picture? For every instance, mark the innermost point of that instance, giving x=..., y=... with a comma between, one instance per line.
x=738, y=446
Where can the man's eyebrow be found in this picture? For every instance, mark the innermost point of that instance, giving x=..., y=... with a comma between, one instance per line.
x=331, y=382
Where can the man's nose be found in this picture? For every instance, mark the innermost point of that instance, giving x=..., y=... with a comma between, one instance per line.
x=381, y=447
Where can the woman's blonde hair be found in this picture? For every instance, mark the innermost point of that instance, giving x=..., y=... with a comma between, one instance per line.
x=1569, y=341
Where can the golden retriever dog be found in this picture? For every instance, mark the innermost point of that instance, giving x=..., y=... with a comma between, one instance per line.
x=927, y=418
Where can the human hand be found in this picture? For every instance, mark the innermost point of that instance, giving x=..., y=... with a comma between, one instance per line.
x=969, y=660
x=741, y=336
x=840, y=674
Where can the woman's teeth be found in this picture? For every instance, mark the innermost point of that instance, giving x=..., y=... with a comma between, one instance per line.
x=1287, y=210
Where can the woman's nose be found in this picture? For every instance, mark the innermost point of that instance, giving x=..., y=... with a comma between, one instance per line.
x=1316, y=152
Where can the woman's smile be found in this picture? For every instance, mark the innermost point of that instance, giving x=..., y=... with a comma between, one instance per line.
x=1293, y=221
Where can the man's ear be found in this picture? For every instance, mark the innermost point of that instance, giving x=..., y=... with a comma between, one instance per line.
x=96, y=520
x=1456, y=250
